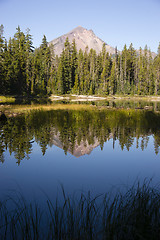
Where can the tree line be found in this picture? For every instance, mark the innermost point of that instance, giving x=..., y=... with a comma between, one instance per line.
x=25, y=70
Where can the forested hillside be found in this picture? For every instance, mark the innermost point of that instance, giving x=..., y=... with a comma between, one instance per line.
x=25, y=70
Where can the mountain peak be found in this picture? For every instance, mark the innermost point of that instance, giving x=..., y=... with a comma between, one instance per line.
x=78, y=29
x=83, y=38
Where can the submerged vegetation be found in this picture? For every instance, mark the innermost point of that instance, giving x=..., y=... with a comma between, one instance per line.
x=69, y=126
x=26, y=71
x=133, y=214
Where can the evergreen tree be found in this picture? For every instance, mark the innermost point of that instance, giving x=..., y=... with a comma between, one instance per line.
x=141, y=74
x=1, y=59
x=19, y=62
x=74, y=62
x=41, y=69
x=51, y=88
x=25, y=70
x=112, y=79
x=80, y=71
x=92, y=71
x=151, y=76
x=146, y=71
x=45, y=65
x=66, y=67
x=60, y=83
x=9, y=72
x=124, y=66
x=131, y=65
x=86, y=72
x=76, y=85
x=116, y=70
x=29, y=50
x=157, y=72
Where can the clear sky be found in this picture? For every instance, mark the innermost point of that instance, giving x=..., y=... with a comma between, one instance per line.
x=116, y=21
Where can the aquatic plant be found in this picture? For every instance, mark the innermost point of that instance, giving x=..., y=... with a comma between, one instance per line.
x=134, y=214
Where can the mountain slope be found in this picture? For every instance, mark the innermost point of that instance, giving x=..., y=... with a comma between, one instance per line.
x=83, y=38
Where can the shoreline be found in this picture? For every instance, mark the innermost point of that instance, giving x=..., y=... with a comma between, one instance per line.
x=83, y=98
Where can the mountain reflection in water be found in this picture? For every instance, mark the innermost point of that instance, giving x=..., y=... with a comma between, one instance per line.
x=78, y=131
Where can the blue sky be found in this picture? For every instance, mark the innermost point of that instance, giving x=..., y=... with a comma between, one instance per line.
x=116, y=22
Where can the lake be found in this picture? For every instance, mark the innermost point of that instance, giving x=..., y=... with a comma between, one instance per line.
x=93, y=147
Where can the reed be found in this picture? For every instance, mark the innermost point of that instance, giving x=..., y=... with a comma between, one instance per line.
x=28, y=108
x=134, y=214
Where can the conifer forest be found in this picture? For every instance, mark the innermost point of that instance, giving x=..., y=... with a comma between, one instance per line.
x=29, y=71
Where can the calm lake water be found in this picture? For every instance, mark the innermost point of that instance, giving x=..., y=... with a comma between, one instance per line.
x=96, y=149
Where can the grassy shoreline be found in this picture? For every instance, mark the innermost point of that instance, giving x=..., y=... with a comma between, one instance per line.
x=133, y=215
x=74, y=97
x=10, y=107
x=15, y=110
x=7, y=99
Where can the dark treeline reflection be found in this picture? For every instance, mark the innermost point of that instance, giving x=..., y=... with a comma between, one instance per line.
x=78, y=131
x=136, y=104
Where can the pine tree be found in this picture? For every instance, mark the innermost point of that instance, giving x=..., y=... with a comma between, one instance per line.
x=151, y=75
x=141, y=74
x=124, y=54
x=80, y=71
x=9, y=73
x=44, y=67
x=76, y=85
x=116, y=69
x=25, y=71
x=86, y=72
x=60, y=82
x=131, y=65
x=1, y=59
x=74, y=63
x=29, y=50
x=66, y=66
x=120, y=84
x=51, y=88
x=92, y=71
x=146, y=71
x=112, y=79
x=19, y=62
x=157, y=72
x=36, y=70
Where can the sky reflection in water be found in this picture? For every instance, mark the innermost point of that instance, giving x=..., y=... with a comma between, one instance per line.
x=93, y=149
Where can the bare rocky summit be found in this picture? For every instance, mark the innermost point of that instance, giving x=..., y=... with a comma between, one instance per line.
x=83, y=38
x=79, y=149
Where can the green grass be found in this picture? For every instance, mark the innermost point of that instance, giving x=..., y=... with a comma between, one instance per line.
x=6, y=99
x=132, y=215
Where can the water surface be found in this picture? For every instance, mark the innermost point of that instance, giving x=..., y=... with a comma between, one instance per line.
x=95, y=149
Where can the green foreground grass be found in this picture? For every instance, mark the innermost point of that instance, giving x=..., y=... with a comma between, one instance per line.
x=7, y=99
x=134, y=214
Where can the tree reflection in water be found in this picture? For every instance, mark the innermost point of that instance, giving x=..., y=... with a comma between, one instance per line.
x=78, y=131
